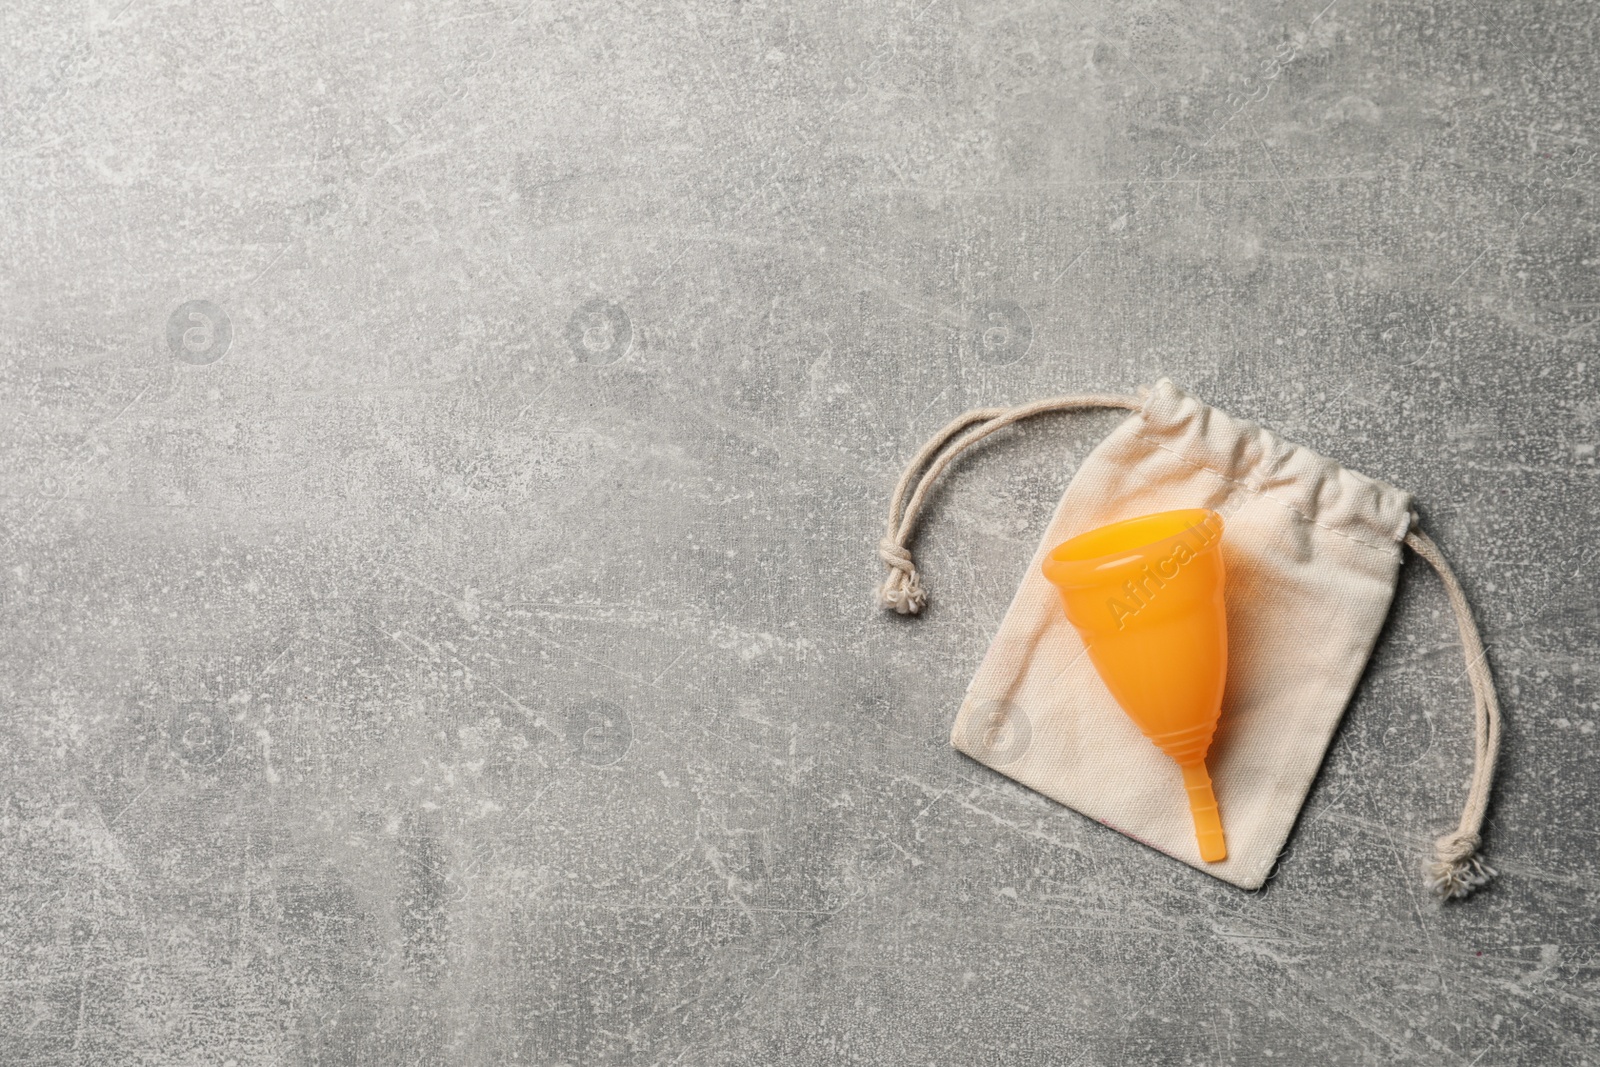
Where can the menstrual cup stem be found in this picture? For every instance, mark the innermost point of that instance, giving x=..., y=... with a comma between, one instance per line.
x=1203, y=806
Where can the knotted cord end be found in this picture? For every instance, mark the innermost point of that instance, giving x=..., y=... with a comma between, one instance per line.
x=902, y=587
x=1457, y=869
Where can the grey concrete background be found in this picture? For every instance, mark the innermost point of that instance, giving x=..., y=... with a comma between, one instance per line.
x=452, y=643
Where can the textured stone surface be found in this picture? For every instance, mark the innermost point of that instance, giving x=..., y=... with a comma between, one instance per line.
x=464, y=655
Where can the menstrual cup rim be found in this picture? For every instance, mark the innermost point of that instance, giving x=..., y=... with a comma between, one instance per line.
x=1061, y=567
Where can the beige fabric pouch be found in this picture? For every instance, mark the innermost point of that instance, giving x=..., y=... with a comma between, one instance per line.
x=1312, y=552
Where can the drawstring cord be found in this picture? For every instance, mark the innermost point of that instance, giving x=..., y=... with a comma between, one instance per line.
x=902, y=587
x=1457, y=868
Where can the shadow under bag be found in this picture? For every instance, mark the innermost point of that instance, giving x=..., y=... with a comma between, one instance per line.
x=1312, y=554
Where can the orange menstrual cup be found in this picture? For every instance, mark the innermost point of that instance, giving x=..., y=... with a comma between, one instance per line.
x=1146, y=595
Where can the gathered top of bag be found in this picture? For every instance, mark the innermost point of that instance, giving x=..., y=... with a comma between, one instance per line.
x=1317, y=488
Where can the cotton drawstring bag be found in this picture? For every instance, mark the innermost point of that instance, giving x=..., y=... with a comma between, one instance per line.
x=1312, y=553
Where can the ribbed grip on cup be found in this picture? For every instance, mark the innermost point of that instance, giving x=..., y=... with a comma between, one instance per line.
x=1207, y=817
x=1189, y=745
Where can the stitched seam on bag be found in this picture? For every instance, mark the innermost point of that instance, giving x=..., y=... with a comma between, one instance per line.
x=1389, y=549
